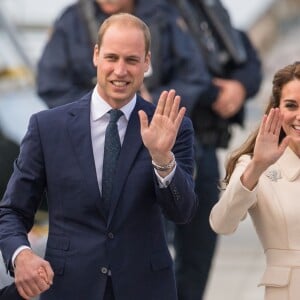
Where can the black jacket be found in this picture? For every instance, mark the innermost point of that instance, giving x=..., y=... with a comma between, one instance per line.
x=210, y=128
x=10, y=293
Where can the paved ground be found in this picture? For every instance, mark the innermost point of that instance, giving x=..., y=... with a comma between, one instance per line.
x=239, y=260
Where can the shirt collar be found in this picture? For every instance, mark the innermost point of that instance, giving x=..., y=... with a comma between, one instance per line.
x=289, y=163
x=99, y=107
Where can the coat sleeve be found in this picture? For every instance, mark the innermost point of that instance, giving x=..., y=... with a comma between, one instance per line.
x=234, y=203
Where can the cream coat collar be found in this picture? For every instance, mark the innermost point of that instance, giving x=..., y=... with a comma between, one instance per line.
x=289, y=164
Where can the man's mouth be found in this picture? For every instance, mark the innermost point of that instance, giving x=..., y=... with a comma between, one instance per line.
x=118, y=83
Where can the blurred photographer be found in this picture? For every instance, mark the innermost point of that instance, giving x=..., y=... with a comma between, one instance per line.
x=235, y=77
x=66, y=71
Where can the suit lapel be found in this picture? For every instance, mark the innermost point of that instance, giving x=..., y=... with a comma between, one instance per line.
x=79, y=129
x=80, y=134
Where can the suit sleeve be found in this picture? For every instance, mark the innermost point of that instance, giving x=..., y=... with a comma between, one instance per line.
x=178, y=201
x=23, y=194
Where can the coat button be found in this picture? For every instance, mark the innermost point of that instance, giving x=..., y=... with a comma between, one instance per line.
x=104, y=270
x=111, y=235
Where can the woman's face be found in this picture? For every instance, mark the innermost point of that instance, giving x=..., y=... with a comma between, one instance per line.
x=290, y=109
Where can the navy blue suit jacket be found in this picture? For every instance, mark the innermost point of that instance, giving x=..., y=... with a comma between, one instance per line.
x=10, y=293
x=56, y=154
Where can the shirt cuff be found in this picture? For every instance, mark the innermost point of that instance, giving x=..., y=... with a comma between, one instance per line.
x=163, y=182
x=21, y=248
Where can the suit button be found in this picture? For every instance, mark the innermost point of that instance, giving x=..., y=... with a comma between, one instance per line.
x=111, y=235
x=104, y=270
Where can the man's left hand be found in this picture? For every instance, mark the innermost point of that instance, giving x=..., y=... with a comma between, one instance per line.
x=160, y=135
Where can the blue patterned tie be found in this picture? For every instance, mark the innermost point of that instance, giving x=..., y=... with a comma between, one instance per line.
x=112, y=147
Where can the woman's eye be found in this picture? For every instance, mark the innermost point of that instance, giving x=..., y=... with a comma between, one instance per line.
x=290, y=105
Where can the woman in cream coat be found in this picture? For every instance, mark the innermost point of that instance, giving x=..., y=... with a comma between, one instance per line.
x=263, y=178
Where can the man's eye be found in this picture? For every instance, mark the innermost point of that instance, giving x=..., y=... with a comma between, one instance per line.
x=111, y=58
x=132, y=60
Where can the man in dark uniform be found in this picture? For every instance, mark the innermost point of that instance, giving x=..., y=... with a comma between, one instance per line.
x=221, y=106
x=66, y=71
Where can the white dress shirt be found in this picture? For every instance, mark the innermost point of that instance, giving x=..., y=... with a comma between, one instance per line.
x=99, y=121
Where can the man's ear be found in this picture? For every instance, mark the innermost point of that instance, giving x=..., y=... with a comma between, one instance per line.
x=96, y=55
x=147, y=62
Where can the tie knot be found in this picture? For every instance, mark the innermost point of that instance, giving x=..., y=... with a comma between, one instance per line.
x=115, y=114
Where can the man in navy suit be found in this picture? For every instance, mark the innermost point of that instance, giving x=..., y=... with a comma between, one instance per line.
x=90, y=254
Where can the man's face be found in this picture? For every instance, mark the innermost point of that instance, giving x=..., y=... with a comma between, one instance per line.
x=121, y=63
x=115, y=6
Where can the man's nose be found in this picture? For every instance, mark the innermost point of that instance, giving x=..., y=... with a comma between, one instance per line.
x=120, y=68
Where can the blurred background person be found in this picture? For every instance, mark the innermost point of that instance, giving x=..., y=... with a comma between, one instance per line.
x=235, y=76
x=9, y=151
x=65, y=70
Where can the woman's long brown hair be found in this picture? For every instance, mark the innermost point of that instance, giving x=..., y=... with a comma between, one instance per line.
x=281, y=77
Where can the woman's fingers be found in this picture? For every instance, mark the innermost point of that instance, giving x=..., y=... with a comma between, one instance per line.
x=271, y=123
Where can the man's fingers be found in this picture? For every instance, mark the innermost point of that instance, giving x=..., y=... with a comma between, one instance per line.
x=42, y=284
x=49, y=272
x=169, y=105
x=42, y=274
x=143, y=120
x=22, y=293
x=179, y=117
x=161, y=103
x=28, y=290
x=165, y=105
x=175, y=108
x=34, y=287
